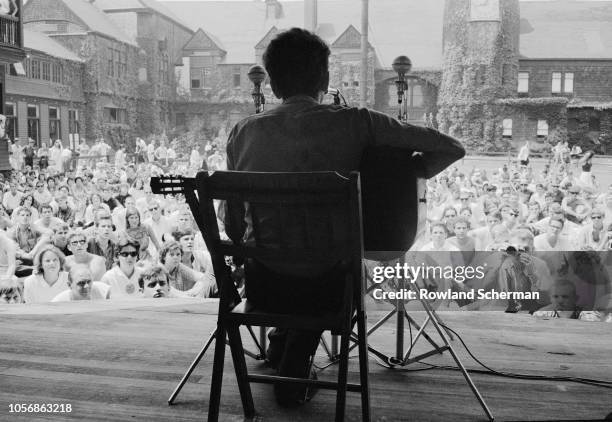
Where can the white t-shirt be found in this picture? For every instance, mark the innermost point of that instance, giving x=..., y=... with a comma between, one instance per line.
x=120, y=285
x=37, y=290
x=99, y=291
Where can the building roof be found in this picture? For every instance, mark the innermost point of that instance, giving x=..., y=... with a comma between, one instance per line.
x=566, y=29
x=40, y=42
x=202, y=41
x=240, y=25
x=139, y=5
x=97, y=21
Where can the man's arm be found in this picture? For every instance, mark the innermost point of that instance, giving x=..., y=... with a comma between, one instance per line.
x=438, y=150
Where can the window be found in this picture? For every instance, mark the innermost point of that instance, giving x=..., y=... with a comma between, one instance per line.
x=507, y=128
x=74, y=128
x=523, y=82
x=355, y=83
x=195, y=84
x=236, y=73
x=54, y=124
x=57, y=73
x=34, y=123
x=569, y=82
x=115, y=115
x=556, y=82
x=542, y=128
x=34, y=69
x=200, y=77
x=46, y=71
x=594, y=124
x=110, y=65
x=163, y=68
x=10, y=111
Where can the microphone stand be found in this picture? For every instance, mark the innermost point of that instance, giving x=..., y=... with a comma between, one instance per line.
x=257, y=75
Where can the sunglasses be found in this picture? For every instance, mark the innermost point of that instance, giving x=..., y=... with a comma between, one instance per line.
x=78, y=242
x=513, y=214
x=126, y=254
x=153, y=209
x=596, y=217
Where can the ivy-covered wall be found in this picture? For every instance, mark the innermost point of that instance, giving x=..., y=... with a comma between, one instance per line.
x=480, y=65
x=591, y=128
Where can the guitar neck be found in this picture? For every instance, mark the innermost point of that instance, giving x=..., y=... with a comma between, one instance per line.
x=172, y=185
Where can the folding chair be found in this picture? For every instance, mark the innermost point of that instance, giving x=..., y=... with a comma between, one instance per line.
x=327, y=207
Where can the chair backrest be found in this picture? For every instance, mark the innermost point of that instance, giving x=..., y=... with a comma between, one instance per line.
x=292, y=222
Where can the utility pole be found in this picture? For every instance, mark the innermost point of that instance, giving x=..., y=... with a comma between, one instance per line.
x=363, y=77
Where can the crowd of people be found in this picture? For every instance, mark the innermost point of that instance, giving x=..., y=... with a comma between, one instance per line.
x=87, y=226
x=552, y=228
x=92, y=217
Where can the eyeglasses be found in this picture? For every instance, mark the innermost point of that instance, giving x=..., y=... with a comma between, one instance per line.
x=596, y=217
x=513, y=214
x=126, y=254
x=153, y=208
x=39, y=186
x=465, y=199
x=78, y=242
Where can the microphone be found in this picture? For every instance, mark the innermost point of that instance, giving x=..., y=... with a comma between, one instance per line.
x=257, y=75
x=334, y=92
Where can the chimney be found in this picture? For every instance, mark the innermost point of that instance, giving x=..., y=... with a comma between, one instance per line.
x=310, y=15
x=274, y=10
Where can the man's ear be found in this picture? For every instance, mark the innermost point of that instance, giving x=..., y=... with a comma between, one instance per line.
x=325, y=82
x=274, y=87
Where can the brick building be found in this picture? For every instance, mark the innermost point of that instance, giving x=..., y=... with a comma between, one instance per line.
x=44, y=93
x=494, y=73
x=111, y=63
x=11, y=51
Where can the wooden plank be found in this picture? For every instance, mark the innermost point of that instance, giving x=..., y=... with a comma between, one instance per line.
x=122, y=364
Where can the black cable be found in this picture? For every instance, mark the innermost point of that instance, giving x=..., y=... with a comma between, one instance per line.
x=491, y=371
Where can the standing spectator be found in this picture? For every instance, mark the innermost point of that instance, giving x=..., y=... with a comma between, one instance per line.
x=523, y=155
x=29, y=152
x=120, y=157
x=151, y=151
x=55, y=157
x=43, y=156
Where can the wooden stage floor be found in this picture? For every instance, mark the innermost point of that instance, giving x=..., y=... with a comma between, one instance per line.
x=120, y=362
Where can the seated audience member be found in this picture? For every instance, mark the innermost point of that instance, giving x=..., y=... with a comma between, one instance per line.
x=462, y=241
x=102, y=243
x=46, y=220
x=551, y=240
x=482, y=235
x=592, y=236
x=11, y=291
x=563, y=299
x=65, y=212
x=154, y=283
x=439, y=241
x=81, y=287
x=77, y=243
x=183, y=278
x=59, y=238
x=123, y=277
x=29, y=239
x=141, y=232
x=195, y=259
x=48, y=279
x=8, y=257
x=158, y=222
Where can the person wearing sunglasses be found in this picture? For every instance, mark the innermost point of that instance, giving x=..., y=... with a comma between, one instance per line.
x=82, y=287
x=592, y=236
x=77, y=244
x=123, y=277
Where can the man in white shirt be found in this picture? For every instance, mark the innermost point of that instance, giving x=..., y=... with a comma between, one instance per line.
x=46, y=221
x=523, y=155
x=158, y=222
x=11, y=198
x=123, y=278
x=551, y=240
x=81, y=287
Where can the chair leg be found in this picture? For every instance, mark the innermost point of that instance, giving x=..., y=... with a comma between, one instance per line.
x=237, y=350
x=342, y=375
x=363, y=366
x=217, y=375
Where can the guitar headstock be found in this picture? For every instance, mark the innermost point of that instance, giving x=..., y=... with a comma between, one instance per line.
x=171, y=185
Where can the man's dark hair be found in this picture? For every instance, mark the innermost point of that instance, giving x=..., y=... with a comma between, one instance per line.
x=297, y=63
